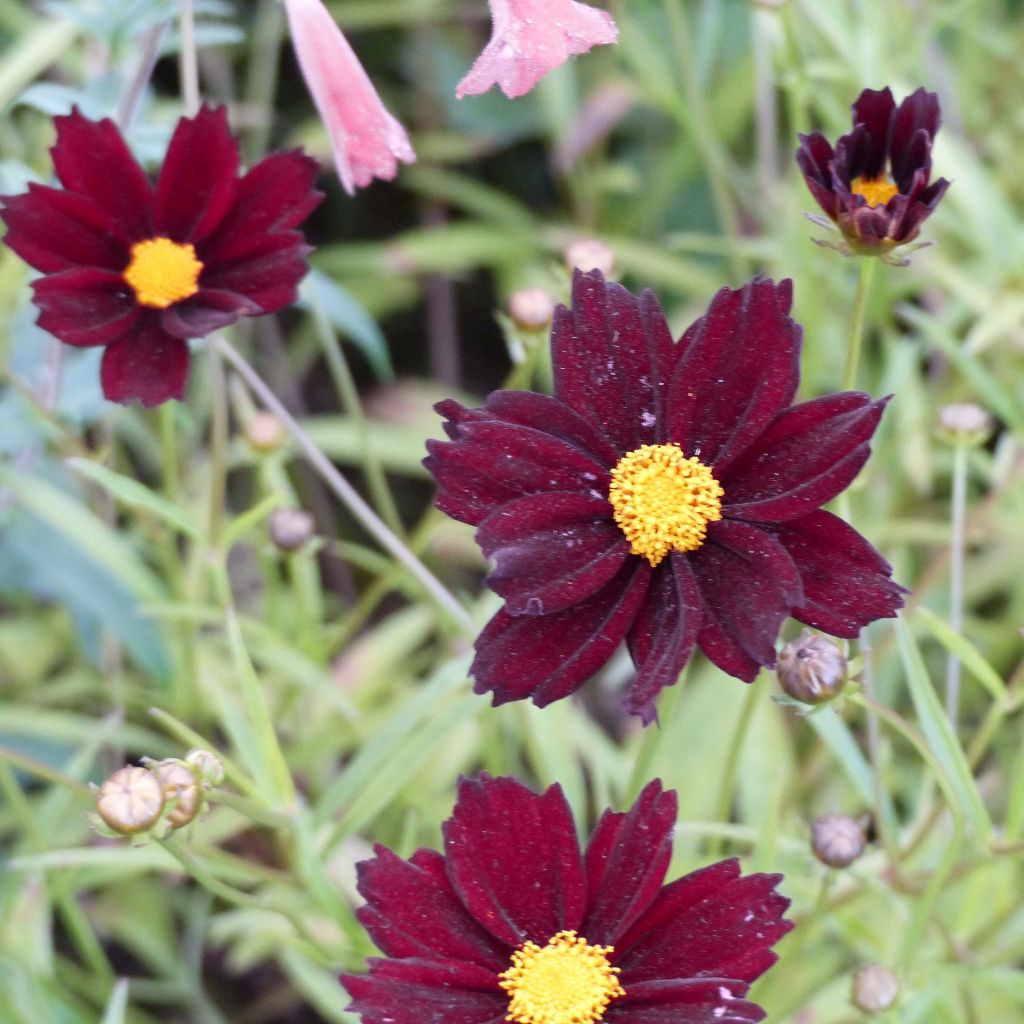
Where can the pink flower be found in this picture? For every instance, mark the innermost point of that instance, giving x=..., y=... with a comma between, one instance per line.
x=366, y=140
x=531, y=38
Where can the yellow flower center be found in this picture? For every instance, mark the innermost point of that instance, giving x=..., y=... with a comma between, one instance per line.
x=664, y=501
x=877, y=191
x=163, y=272
x=568, y=981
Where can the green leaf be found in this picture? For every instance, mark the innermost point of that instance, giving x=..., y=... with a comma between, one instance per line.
x=115, y=1011
x=969, y=655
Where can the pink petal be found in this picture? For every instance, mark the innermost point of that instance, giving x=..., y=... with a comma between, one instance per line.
x=529, y=38
x=366, y=140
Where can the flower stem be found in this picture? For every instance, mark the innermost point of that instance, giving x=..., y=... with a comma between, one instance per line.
x=956, y=578
x=218, y=446
x=347, y=494
x=189, y=61
x=856, y=340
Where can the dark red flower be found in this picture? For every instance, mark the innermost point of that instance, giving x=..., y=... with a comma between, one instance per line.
x=514, y=923
x=668, y=495
x=140, y=267
x=875, y=185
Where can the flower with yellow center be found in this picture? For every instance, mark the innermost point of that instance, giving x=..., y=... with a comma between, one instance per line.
x=162, y=272
x=664, y=501
x=876, y=191
x=568, y=981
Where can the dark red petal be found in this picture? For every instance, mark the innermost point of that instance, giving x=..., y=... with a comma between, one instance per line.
x=493, y=462
x=749, y=583
x=853, y=152
x=86, y=306
x=626, y=861
x=738, y=367
x=198, y=179
x=814, y=158
x=805, y=458
x=412, y=911
x=53, y=230
x=847, y=583
x=277, y=195
x=711, y=923
x=417, y=991
x=514, y=859
x=867, y=225
x=919, y=111
x=551, y=551
x=907, y=223
x=547, y=657
x=266, y=269
x=207, y=311
x=874, y=110
x=684, y=1001
x=92, y=158
x=147, y=366
x=611, y=352
x=663, y=634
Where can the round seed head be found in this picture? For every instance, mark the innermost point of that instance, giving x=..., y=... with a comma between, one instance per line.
x=206, y=766
x=130, y=801
x=531, y=308
x=812, y=669
x=875, y=988
x=589, y=254
x=837, y=840
x=180, y=785
x=264, y=432
x=290, y=528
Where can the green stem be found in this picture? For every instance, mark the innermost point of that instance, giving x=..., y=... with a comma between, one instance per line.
x=189, y=61
x=956, y=578
x=168, y=451
x=856, y=340
x=347, y=494
x=218, y=446
x=653, y=737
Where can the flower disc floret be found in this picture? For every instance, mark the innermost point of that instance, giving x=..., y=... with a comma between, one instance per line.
x=568, y=981
x=876, y=191
x=162, y=272
x=664, y=501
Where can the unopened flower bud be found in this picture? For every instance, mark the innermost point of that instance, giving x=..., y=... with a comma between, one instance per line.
x=812, y=669
x=130, y=801
x=875, y=988
x=206, y=766
x=290, y=528
x=180, y=786
x=264, y=432
x=531, y=308
x=837, y=840
x=589, y=254
x=965, y=423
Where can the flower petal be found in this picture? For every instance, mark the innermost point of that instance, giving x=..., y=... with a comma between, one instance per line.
x=92, y=158
x=547, y=657
x=267, y=270
x=662, y=636
x=277, y=195
x=814, y=158
x=805, y=458
x=685, y=1001
x=738, y=366
x=749, y=583
x=514, y=859
x=551, y=551
x=626, y=861
x=425, y=991
x=611, y=352
x=846, y=582
x=919, y=111
x=54, y=230
x=874, y=109
x=147, y=366
x=492, y=462
x=367, y=142
x=529, y=38
x=207, y=311
x=412, y=911
x=711, y=923
x=193, y=194
x=907, y=220
x=85, y=306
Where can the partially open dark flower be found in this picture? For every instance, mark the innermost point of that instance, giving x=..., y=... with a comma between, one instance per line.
x=668, y=495
x=875, y=184
x=513, y=923
x=138, y=267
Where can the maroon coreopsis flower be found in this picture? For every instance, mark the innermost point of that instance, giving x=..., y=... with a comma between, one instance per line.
x=139, y=267
x=513, y=923
x=875, y=184
x=668, y=494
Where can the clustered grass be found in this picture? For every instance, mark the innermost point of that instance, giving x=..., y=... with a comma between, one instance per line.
x=145, y=609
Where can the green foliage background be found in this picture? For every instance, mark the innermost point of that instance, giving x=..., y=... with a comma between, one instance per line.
x=333, y=686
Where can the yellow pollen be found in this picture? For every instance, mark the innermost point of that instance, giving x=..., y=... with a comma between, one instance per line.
x=877, y=191
x=162, y=272
x=568, y=981
x=664, y=501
